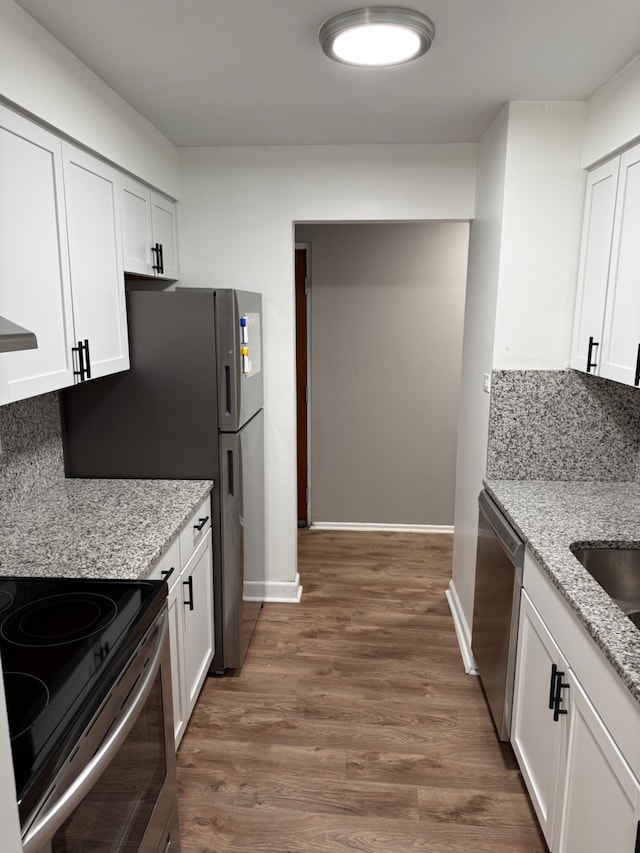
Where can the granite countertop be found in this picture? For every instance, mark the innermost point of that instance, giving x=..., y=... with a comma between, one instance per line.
x=115, y=529
x=551, y=516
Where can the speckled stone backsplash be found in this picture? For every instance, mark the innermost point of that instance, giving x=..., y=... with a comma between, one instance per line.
x=562, y=425
x=31, y=447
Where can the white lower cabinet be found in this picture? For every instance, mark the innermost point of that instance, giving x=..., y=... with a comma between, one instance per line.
x=176, y=631
x=536, y=738
x=187, y=567
x=197, y=608
x=600, y=796
x=585, y=794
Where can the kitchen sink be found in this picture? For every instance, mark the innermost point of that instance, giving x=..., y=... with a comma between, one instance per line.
x=617, y=570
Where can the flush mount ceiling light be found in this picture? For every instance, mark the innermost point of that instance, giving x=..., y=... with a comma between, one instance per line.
x=377, y=36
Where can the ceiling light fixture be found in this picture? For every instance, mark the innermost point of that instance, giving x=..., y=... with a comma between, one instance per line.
x=377, y=36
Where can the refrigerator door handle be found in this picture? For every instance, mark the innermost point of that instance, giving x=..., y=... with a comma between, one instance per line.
x=230, y=472
x=227, y=390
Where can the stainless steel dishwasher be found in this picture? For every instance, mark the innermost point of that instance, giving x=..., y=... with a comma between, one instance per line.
x=496, y=609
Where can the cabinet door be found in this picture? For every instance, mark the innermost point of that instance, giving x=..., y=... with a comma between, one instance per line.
x=621, y=356
x=95, y=253
x=164, y=231
x=34, y=264
x=176, y=632
x=536, y=738
x=593, y=274
x=148, y=219
x=600, y=796
x=136, y=222
x=197, y=592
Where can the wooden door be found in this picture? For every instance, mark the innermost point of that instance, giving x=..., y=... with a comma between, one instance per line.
x=301, y=383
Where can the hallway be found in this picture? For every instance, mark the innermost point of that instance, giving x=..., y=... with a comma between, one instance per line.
x=352, y=726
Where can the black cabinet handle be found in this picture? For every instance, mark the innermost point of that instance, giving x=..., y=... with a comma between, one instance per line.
x=552, y=686
x=79, y=352
x=636, y=849
x=201, y=524
x=560, y=686
x=84, y=362
x=159, y=264
x=166, y=573
x=189, y=603
x=87, y=359
x=636, y=381
x=592, y=345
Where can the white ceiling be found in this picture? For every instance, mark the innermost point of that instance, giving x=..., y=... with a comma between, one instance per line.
x=251, y=72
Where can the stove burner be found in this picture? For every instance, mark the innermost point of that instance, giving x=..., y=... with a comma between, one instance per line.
x=6, y=600
x=59, y=619
x=29, y=695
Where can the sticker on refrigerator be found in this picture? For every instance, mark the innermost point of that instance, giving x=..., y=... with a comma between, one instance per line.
x=250, y=344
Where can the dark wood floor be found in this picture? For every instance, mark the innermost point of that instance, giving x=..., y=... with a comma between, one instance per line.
x=352, y=726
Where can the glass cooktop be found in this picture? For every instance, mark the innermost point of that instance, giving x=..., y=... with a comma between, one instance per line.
x=63, y=643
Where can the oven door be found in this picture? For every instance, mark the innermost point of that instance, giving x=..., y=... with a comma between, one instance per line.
x=117, y=791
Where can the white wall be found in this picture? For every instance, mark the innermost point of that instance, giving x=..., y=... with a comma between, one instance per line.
x=542, y=221
x=521, y=283
x=43, y=78
x=236, y=230
x=485, y=240
x=613, y=115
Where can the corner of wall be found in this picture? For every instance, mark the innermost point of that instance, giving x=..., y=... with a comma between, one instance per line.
x=613, y=118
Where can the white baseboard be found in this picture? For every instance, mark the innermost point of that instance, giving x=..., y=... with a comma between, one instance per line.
x=274, y=591
x=462, y=630
x=397, y=528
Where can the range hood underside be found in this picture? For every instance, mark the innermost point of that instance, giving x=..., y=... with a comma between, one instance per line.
x=14, y=337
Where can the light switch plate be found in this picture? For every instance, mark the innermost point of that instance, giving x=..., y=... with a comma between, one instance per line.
x=486, y=383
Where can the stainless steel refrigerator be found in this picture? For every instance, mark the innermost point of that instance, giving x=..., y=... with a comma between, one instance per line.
x=190, y=407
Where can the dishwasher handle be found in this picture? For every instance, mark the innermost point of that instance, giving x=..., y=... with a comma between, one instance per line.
x=507, y=536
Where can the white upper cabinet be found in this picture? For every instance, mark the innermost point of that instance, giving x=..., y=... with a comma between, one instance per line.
x=164, y=233
x=150, y=232
x=70, y=225
x=621, y=334
x=92, y=193
x=606, y=340
x=595, y=256
x=35, y=288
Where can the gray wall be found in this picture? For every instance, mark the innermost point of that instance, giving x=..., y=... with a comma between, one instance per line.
x=387, y=306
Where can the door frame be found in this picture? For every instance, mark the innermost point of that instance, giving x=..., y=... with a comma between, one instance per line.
x=306, y=247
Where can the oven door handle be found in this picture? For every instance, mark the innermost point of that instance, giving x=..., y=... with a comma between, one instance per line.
x=44, y=828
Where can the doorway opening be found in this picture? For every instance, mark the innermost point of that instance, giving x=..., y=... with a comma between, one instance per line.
x=379, y=316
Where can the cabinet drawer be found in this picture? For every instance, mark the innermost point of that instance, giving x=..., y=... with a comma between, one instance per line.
x=195, y=530
x=169, y=560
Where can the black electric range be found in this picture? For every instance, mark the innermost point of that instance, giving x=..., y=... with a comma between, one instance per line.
x=63, y=643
